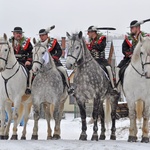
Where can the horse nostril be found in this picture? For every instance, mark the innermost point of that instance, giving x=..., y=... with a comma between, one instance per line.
x=1, y=69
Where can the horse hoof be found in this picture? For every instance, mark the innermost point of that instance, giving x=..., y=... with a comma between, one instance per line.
x=102, y=137
x=14, y=137
x=1, y=137
x=34, y=137
x=113, y=137
x=6, y=137
x=83, y=137
x=145, y=140
x=23, y=138
x=49, y=138
x=132, y=139
x=56, y=137
x=94, y=137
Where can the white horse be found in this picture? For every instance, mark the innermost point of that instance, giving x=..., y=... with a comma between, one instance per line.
x=13, y=83
x=47, y=89
x=136, y=88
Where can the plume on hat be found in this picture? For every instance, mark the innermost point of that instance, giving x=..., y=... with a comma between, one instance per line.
x=50, y=28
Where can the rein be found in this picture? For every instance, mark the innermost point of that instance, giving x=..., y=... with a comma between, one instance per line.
x=142, y=64
x=6, y=61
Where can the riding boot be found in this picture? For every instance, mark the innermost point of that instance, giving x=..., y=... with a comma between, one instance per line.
x=117, y=69
x=70, y=88
x=109, y=70
x=29, y=80
x=118, y=84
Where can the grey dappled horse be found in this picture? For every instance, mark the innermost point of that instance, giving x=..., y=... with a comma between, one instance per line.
x=47, y=88
x=91, y=83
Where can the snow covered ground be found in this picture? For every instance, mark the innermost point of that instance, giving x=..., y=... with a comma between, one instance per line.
x=70, y=131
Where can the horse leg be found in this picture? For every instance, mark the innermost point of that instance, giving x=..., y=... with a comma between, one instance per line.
x=16, y=116
x=95, y=118
x=47, y=117
x=133, y=128
x=145, y=127
x=102, y=117
x=36, y=119
x=9, y=113
x=82, y=107
x=2, y=112
x=57, y=117
x=114, y=101
x=27, y=109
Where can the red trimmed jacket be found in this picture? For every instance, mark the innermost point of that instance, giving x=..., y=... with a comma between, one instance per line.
x=54, y=49
x=23, y=50
x=98, y=45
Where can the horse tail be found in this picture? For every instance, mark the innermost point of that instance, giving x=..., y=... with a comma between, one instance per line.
x=139, y=109
x=107, y=112
x=52, y=107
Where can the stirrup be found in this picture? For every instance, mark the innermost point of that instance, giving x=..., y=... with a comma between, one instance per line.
x=70, y=90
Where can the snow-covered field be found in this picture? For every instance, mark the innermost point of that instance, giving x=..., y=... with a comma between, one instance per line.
x=71, y=129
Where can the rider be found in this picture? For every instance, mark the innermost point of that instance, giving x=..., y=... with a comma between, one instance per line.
x=130, y=42
x=97, y=49
x=23, y=51
x=128, y=45
x=56, y=52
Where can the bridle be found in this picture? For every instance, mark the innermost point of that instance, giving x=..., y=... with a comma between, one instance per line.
x=69, y=55
x=6, y=62
x=77, y=58
x=143, y=65
x=36, y=53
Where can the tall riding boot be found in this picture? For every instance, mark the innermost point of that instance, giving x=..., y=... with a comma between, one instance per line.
x=117, y=69
x=70, y=88
x=119, y=87
x=109, y=70
x=29, y=80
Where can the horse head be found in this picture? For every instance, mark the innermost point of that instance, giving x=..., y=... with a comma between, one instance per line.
x=41, y=57
x=144, y=43
x=74, y=50
x=5, y=49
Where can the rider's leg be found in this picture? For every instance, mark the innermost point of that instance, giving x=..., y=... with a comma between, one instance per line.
x=64, y=71
x=109, y=70
x=117, y=69
x=29, y=81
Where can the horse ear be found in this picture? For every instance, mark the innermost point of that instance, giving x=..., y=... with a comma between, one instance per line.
x=5, y=36
x=34, y=41
x=68, y=35
x=141, y=38
x=80, y=35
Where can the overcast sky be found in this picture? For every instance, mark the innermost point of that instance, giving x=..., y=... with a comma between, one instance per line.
x=71, y=15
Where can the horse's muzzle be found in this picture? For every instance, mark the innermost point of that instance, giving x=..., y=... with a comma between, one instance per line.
x=2, y=69
x=147, y=75
x=69, y=66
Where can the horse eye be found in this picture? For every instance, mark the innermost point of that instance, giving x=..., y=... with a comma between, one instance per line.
x=77, y=47
x=5, y=50
x=43, y=53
